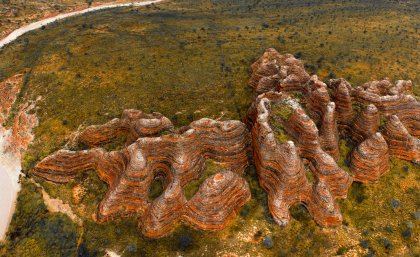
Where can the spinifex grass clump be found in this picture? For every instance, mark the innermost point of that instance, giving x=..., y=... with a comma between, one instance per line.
x=279, y=114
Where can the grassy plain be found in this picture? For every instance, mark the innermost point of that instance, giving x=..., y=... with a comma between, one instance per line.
x=191, y=59
x=17, y=13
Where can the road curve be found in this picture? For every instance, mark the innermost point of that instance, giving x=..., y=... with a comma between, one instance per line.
x=38, y=24
x=10, y=164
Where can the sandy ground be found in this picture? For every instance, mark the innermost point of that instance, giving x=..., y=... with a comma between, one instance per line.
x=37, y=25
x=10, y=168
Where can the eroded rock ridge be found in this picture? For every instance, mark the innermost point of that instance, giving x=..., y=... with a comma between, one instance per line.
x=293, y=130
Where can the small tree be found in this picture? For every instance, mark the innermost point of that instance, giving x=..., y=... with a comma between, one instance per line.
x=89, y=2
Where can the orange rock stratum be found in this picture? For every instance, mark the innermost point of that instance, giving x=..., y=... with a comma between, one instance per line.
x=380, y=118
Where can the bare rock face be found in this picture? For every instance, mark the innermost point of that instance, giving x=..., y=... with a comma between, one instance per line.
x=366, y=123
x=180, y=159
x=401, y=144
x=274, y=71
x=370, y=159
x=401, y=87
x=21, y=131
x=312, y=138
x=22, y=122
x=294, y=139
x=378, y=87
x=280, y=165
x=317, y=98
x=211, y=208
x=328, y=133
x=341, y=95
x=280, y=169
x=406, y=107
x=133, y=123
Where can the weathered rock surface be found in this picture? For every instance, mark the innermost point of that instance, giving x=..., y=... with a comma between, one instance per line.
x=313, y=129
x=22, y=126
x=180, y=159
x=366, y=123
x=328, y=133
x=280, y=167
x=274, y=71
x=211, y=208
x=133, y=123
x=401, y=144
x=385, y=103
x=317, y=98
x=288, y=144
x=370, y=159
x=341, y=95
x=9, y=89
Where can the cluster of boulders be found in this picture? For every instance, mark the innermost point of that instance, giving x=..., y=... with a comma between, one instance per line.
x=380, y=118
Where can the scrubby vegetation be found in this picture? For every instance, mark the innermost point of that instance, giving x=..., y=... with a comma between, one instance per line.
x=16, y=13
x=279, y=114
x=190, y=59
x=36, y=232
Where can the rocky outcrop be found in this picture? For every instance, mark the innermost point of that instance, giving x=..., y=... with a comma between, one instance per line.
x=280, y=166
x=388, y=99
x=180, y=159
x=217, y=201
x=385, y=87
x=21, y=131
x=366, y=123
x=401, y=144
x=293, y=138
x=341, y=95
x=370, y=159
x=20, y=117
x=317, y=99
x=133, y=123
x=386, y=104
x=401, y=87
x=274, y=71
x=378, y=87
x=314, y=139
x=328, y=133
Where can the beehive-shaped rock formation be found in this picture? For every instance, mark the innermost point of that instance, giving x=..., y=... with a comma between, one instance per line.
x=370, y=159
x=401, y=144
x=366, y=123
x=328, y=133
x=180, y=159
x=313, y=129
x=133, y=123
x=280, y=166
x=341, y=95
x=317, y=99
x=273, y=71
x=291, y=137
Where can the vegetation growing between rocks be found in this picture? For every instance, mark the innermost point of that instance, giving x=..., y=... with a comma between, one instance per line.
x=279, y=114
x=190, y=59
x=192, y=187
